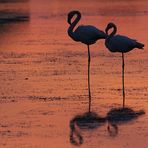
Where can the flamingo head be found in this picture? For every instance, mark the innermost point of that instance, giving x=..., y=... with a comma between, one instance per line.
x=71, y=14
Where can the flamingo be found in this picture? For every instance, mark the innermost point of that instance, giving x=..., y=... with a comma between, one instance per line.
x=86, y=34
x=123, y=44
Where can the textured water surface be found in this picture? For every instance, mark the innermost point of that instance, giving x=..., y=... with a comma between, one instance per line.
x=43, y=76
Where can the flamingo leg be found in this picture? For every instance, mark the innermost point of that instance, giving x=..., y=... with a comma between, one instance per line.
x=89, y=91
x=123, y=91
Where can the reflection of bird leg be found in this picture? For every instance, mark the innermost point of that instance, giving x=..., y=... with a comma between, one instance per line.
x=112, y=129
x=123, y=92
x=74, y=133
x=89, y=92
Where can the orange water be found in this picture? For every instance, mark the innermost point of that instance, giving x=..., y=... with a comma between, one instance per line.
x=43, y=76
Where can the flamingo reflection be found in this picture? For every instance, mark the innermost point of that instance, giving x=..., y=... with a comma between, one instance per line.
x=117, y=116
x=87, y=121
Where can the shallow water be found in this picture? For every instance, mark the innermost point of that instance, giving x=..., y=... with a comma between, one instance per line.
x=43, y=76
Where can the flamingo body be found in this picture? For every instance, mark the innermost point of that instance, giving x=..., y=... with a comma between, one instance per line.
x=119, y=43
x=88, y=34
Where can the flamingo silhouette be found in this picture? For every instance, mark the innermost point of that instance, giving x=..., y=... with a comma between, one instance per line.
x=86, y=34
x=123, y=44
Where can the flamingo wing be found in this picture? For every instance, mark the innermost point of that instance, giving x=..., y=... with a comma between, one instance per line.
x=89, y=34
x=121, y=43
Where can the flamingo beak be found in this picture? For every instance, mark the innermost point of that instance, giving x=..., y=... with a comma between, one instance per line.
x=69, y=20
x=106, y=30
x=70, y=15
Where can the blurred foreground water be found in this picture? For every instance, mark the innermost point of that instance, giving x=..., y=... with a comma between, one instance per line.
x=14, y=11
x=43, y=76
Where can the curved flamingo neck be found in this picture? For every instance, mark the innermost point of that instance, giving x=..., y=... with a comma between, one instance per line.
x=72, y=26
x=113, y=32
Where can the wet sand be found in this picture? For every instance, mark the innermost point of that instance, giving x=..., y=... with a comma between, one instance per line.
x=43, y=76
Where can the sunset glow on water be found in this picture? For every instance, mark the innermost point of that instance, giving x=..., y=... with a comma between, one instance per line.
x=43, y=75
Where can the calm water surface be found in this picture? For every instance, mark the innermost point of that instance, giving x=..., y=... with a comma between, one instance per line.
x=43, y=76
